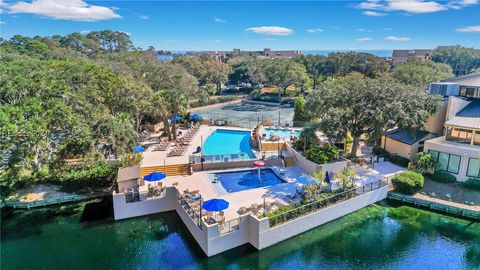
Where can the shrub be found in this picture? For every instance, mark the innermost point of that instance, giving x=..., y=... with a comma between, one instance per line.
x=93, y=177
x=400, y=161
x=379, y=151
x=443, y=177
x=472, y=183
x=322, y=154
x=408, y=182
x=424, y=163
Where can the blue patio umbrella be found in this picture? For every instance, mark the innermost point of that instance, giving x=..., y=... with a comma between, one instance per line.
x=327, y=178
x=138, y=149
x=215, y=205
x=176, y=118
x=154, y=177
x=196, y=116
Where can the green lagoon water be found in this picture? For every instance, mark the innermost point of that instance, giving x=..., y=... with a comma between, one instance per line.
x=377, y=237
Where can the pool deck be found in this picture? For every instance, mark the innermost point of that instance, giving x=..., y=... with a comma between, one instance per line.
x=158, y=158
x=239, y=199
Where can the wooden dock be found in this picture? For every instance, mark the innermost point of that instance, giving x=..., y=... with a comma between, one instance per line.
x=436, y=205
x=52, y=201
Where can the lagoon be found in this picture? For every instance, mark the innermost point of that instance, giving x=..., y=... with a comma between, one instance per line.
x=376, y=237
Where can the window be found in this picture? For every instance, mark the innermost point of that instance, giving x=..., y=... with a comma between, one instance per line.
x=446, y=162
x=473, y=169
x=476, y=140
x=459, y=135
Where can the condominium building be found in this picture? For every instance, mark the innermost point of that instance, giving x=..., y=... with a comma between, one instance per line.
x=400, y=57
x=458, y=151
x=452, y=135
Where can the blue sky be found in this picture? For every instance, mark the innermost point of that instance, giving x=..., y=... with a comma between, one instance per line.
x=223, y=25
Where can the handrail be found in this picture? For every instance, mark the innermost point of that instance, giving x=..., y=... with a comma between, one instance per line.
x=320, y=204
x=449, y=209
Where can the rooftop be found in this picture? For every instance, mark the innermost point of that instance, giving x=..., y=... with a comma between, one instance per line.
x=468, y=117
x=406, y=136
x=472, y=79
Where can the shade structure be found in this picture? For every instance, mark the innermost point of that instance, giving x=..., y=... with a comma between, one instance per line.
x=154, y=177
x=176, y=118
x=259, y=163
x=138, y=149
x=327, y=178
x=196, y=116
x=215, y=205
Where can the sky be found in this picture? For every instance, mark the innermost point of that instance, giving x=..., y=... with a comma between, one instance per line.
x=254, y=25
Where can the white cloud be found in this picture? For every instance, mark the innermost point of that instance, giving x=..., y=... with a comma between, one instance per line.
x=364, y=39
x=374, y=13
x=415, y=6
x=364, y=30
x=469, y=29
x=387, y=29
x=84, y=32
x=143, y=17
x=2, y=22
x=218, y=20
x=380, y=7
x=400, y=39
x=315, y=30
x=74, y=10
x=271, y=30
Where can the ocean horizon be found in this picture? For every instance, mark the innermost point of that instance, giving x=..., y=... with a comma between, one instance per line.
x=379, y=53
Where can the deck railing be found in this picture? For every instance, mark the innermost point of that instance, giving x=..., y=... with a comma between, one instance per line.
x=192, y=208
x=220, y=158
x=230, y=226
x=137, y=196
x=308, y=208
x=448, y=209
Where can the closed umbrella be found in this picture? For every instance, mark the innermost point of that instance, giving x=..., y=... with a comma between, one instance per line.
x=327, y=178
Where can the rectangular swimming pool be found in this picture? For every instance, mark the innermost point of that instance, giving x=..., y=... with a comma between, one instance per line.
x=282, y=133
x=248, y=179
x=232, y=143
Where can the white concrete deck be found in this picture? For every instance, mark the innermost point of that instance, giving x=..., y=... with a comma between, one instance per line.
x=379, y=171
x=239, y=199
x=159, y=158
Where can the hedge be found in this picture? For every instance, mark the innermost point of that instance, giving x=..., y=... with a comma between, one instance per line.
x=93, y=177
x=398, y=160
x=443, y=177
x=472, y=183
x=408, y=182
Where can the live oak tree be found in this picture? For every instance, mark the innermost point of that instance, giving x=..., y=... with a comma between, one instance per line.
x=422, y=73
x=462, y=60
x=283, y=73
x=359, y=106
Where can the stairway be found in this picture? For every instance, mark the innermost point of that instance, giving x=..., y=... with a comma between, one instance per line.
x=169, y=170
x=289, y=161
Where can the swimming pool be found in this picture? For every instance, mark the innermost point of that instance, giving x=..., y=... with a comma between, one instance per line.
x=234, y=143
x=283, y=133
x=248, y=179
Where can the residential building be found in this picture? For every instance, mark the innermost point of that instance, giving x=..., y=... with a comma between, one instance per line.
x=400, y=57
x=458, y=151
x=265, y=53
x=452, y=135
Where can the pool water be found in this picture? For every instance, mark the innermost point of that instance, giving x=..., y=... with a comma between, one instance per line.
x=244, y=180
x=228, y=142
x=283, y=133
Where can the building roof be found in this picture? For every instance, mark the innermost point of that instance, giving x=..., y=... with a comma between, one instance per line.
x=472, y=79
x=408, y=53
x=468, y=117
x=406, y=136
x=128, y=173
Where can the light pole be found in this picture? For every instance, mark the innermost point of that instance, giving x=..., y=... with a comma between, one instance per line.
x=264, y=203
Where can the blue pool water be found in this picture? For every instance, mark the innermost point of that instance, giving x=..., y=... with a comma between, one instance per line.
x=243, y=180
x=285, y=134
x=228, y=142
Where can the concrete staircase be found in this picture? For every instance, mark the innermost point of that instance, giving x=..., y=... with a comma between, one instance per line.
x=289, y=161
x=169, y=170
